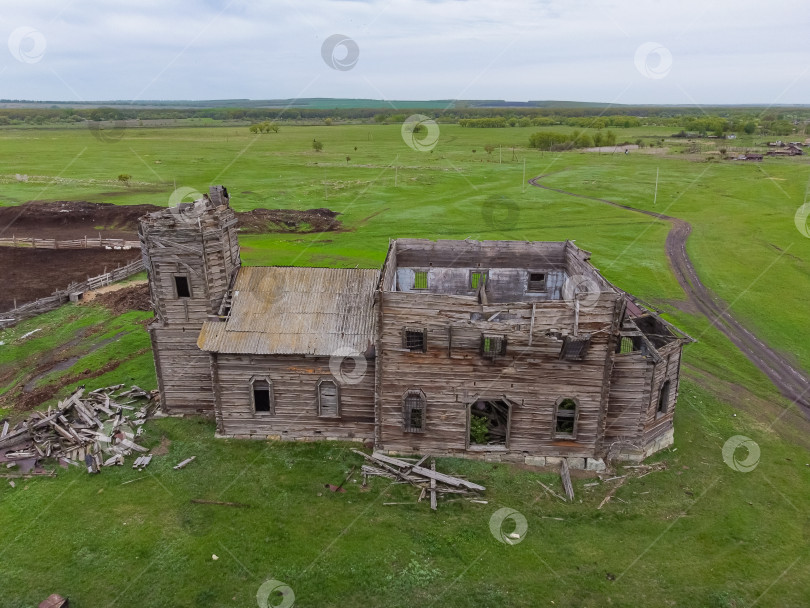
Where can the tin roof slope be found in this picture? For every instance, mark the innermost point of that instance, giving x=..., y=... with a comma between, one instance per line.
x=296, y=311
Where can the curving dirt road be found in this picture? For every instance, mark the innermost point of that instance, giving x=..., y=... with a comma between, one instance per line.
x=791, y=382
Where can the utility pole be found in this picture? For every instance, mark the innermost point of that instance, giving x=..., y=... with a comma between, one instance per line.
x=524, y=174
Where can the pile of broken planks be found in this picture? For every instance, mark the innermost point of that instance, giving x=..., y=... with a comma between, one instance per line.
x=427, y=480
x=99, y=429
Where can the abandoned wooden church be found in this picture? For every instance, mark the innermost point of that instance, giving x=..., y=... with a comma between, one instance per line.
x=504, y=350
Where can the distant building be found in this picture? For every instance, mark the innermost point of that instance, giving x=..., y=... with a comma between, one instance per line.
x=789, y=150
x=504, y=350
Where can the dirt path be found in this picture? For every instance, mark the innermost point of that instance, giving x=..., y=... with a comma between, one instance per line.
x=791, y=382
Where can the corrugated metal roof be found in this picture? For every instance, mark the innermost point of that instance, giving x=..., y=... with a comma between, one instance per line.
x=302, y=311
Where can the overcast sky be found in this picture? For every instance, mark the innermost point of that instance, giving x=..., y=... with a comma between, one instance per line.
x=621, y=51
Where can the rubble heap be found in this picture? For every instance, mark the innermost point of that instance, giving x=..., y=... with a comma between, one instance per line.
x=99, y=429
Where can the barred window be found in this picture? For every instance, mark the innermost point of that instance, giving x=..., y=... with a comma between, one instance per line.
x=415, y=339
x=575, y=348
x=478, y=278
x=493, y=345
x=414, y=412
x=420, y=279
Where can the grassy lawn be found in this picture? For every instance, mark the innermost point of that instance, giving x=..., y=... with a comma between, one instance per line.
x=697, y=534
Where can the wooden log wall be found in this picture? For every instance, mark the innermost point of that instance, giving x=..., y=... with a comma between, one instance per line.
x=487, y=254
x=656, y=424
x=295, y=381
x=206, y=253
x=183, y=370
x=452, y=371
x=630, y=386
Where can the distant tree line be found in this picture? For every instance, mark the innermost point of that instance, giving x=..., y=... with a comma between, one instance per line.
x=717, y=121
x=555, y=140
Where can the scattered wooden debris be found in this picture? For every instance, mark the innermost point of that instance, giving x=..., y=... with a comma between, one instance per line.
x=28, y=475
x=612, y=491
x=432, y=485
x=550, y=491
x=334, y=488
x=54, y=601
x=98, y=428
x=200, y=501
x=141, y=462
x=565, y=475
x=426, y=480
x=183, y=464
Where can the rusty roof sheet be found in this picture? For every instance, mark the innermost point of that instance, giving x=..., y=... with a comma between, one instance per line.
x=296, y=311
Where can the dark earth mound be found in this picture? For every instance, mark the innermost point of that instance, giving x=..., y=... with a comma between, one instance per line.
x=135, y=297
x=67, y=220
x=27, y=274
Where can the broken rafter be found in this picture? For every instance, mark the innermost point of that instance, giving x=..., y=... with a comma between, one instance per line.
x=429, y=481
x=611, y=492
x=423, y=472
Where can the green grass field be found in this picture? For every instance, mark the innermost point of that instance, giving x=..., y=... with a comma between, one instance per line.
x=697, y=534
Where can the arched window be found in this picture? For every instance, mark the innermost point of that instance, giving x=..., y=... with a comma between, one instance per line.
x=663, y=398
x=414, y=411
x=328, y=399
x=565, y=418
x=261, y=395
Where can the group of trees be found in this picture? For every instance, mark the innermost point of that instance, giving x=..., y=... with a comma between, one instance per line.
x=599, y=122
x=264, y=127
x=555, y=140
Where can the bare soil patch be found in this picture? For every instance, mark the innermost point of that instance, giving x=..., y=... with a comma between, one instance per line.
x=68, y=220
x=27, y=274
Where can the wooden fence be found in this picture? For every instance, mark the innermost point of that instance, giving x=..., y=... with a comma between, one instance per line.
x=85, y=243
x=52, y=302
